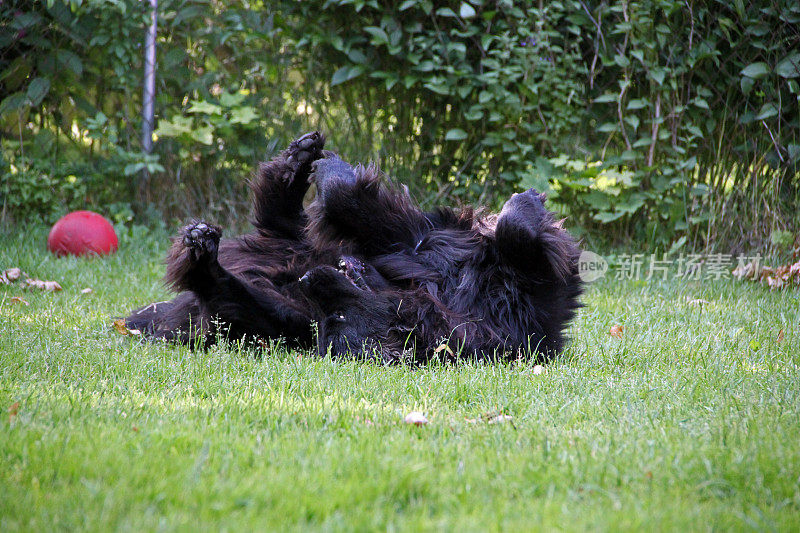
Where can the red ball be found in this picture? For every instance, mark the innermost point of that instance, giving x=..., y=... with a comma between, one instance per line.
x=81, y=233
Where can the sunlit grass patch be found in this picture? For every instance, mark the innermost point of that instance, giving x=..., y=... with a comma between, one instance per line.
x=690, y=418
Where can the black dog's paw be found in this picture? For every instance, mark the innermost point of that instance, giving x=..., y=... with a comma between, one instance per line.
x=327, y=285
x=202, y=239
x=527, y=208
x=540, y=197
x=302, y=152
x=354, y=270
x=321, y=277
x=331, y=174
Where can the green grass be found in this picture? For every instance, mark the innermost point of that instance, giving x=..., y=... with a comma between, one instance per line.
x=690, y=421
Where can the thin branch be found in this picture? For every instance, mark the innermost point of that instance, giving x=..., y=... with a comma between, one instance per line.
x=654, y=135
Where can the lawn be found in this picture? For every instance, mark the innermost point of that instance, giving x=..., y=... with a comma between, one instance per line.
x=689, y=420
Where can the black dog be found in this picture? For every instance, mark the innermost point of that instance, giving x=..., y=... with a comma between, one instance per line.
x=377, y=275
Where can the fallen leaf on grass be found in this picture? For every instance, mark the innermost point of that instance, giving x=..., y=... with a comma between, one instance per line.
x=491, y=418
x=616, y=331
x=443, y=348
x=48, y=286
x=87, y=290
x=122, y=329
x=18, y=300
x=779, y=339
x=415, y=417
x=9, y=275
x=774, y=277
x=500, y=419
x=12, y=411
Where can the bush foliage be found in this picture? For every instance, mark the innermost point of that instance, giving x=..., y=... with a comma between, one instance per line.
x=652, y=120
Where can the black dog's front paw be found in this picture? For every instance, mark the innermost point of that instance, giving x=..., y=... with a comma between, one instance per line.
x=192, y=261
x=302, y=152
x=202, y=239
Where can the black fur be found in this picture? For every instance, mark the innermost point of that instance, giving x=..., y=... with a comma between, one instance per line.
x=377, y=274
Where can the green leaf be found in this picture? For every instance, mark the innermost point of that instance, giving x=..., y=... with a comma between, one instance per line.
x=677, y=245
x=37, y=90
x=794, y=151
x=356, y=56
x=243, y=115
x=445, y=12
x=621, y=60
x=509, y=176
x=378, y=34
x=756, y=70
x=630, y=155
x=174, y=127
x=658, y=75
x=133, y=168
x=407, y=4
x=767, y=110
x=689, y=164
x=207, y=108
x=154, y=167
x=631, y=205
x=759, y=29
x=474, y=113
x=694, y=130
x=746, y=84
x=12, y=103
x=438, y=87
x=606, y=216
x=638, y=103
x=789, y=66
x=455, y=134
x=346, y=73
x=70, y=60
x=203, y=135
x=607, y=97
x=231, y=99
x=466, y=11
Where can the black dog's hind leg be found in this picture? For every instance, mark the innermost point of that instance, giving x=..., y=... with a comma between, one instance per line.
x=353, y=204
x=529, y=238
x=242, y=308
x=181, y=319
x=280, y=185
